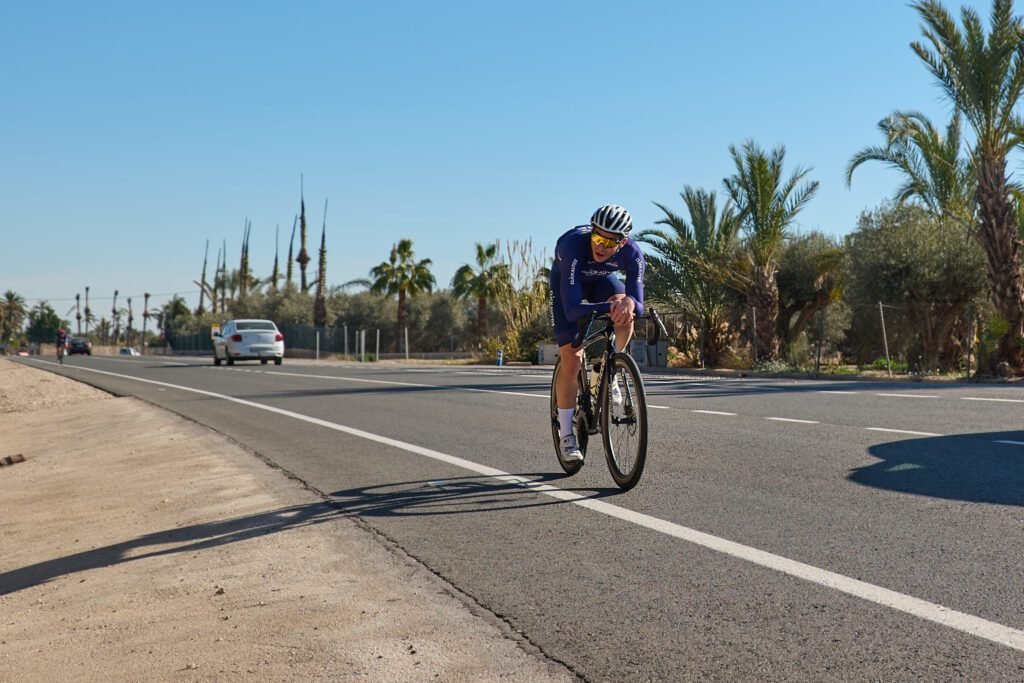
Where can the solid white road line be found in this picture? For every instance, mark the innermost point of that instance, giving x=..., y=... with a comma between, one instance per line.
x=900, y=431
x=929, y=611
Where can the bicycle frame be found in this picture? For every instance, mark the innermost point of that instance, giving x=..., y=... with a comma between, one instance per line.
x=585, y=339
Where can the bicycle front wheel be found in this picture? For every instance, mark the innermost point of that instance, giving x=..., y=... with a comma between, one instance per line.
x=624, y=421
x=580, y=430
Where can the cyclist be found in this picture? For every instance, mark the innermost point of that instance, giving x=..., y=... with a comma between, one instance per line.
x=583, y=281
x=62, y=343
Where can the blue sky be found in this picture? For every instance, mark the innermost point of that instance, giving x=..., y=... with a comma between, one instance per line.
x=134, y=132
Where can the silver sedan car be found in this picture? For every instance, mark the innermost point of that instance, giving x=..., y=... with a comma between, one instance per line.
x=248, y=340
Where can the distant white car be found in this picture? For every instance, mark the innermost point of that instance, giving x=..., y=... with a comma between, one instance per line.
x=126, y=351
x=248, y=340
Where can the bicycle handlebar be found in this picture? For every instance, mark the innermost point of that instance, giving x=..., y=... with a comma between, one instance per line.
x=659, y=328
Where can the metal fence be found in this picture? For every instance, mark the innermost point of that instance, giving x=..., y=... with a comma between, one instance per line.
x=312, y=341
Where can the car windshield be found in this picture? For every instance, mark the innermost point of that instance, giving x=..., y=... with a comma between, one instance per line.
x=256, y=325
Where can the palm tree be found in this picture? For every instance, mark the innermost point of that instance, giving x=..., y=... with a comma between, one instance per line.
x=103, y=330
x=767, y=206
x=683, y=270
x=402, y=276
x=174, y=309
x=935, y=175
x=14, y=312
x=487, y=280
x=983, y=76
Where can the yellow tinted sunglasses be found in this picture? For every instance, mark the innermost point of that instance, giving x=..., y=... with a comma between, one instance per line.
x=605, y=242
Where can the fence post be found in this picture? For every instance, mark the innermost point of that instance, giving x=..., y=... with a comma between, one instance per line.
x=344, y=327
x=362, y=338
x=406, y=344
x=821, y=335
x=318, y=344
x=970, y=337
x=378, y=344
x=703, y=338
x=753, y=336
x=885, y=340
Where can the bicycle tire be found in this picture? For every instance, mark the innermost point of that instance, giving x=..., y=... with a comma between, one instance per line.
x=624, y=427
x=582, y=436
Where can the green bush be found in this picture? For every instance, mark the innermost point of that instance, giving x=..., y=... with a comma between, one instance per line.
x=881, y=365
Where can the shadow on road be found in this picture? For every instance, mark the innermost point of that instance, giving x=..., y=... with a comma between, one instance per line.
x=453, y=496
x=968, y=467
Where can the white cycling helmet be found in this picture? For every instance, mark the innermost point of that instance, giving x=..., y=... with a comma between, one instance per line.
x=612, y=218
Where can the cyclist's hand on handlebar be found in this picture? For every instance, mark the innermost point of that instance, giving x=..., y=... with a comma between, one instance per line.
x=622, y=310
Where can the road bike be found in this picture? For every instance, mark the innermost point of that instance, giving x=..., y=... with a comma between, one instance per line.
x=621, y=420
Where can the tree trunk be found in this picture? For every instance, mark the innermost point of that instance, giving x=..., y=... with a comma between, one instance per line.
x=399, y=336
x=481, y=320
x=1000, y=240
x=764, y=297
x=806, y=313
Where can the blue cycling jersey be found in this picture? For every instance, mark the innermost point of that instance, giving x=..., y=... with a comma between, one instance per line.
x=574, y=266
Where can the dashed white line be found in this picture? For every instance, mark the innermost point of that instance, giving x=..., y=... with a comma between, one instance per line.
x=1011, y=443
x=408, y=384
x=790, y=419
x=999, y=400
x=712, y=412
x=901, y=431
x=908, y=395
x=826, y=391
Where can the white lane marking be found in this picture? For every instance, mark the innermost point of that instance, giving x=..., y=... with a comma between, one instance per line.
x=826, y=391
x=1012, y=443
x=439, y=387
x=929, y=611
x=789, y=419
x=908, y=395
x=651, y=405
x=900, y=431
x=712, y=412
x=1000, y=400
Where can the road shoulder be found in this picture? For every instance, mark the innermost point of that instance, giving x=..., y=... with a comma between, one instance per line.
x=141, y=546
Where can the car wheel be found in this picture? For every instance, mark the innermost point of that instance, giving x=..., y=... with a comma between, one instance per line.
x=277, y=361
x=216, y=358
x=229, y=359
x=263, y=361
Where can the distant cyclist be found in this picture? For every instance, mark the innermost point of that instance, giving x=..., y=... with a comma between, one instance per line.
x=62, y=344
x=583, y=281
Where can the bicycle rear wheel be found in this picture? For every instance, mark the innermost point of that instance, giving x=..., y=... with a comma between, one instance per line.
x=624, y=423
x=578, y=427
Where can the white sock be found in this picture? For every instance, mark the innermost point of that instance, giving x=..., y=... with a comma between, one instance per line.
x=565, y=421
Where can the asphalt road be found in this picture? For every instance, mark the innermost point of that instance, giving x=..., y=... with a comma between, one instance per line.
x=783, y=530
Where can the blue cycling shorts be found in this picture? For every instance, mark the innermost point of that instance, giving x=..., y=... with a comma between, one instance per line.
x=593, y=292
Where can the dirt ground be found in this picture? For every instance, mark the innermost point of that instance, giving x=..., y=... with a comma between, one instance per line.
x=138, y=546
